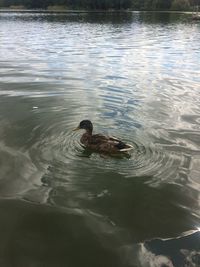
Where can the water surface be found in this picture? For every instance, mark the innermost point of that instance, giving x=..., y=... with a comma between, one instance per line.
x=136, y=76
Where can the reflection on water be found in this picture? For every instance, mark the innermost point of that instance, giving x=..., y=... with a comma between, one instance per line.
x=136, y=76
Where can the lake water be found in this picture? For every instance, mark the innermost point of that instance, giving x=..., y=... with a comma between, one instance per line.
x=137, y=77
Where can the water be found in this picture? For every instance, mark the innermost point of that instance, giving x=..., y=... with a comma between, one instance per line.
x=137, y=77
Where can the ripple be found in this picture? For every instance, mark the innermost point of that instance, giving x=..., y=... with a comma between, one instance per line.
x=144, y=160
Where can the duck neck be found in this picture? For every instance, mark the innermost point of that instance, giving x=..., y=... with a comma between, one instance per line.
x=89, y=132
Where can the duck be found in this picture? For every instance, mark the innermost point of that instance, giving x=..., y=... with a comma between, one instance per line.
x=99, y=142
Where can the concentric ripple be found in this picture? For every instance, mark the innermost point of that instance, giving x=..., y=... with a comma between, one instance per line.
x=146, y=159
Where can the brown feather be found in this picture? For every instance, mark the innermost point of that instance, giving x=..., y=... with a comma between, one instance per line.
x=104, y=144
x=99, y=142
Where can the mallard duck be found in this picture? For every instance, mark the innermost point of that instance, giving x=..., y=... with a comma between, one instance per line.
x=99, y=142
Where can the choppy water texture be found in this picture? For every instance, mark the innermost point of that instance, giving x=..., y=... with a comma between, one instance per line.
x=136, y=76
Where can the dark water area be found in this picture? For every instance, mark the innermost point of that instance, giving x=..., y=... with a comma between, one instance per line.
x=137, y=77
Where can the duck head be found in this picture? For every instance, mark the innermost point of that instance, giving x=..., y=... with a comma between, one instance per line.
x=86, y=125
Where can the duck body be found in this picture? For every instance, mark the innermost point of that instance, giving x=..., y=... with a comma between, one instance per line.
x=101, y=143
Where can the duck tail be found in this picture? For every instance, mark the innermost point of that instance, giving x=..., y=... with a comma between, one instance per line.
x=127, y=148
x=124, y=147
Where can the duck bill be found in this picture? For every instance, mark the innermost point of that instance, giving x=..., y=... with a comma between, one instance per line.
x=76, y=129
